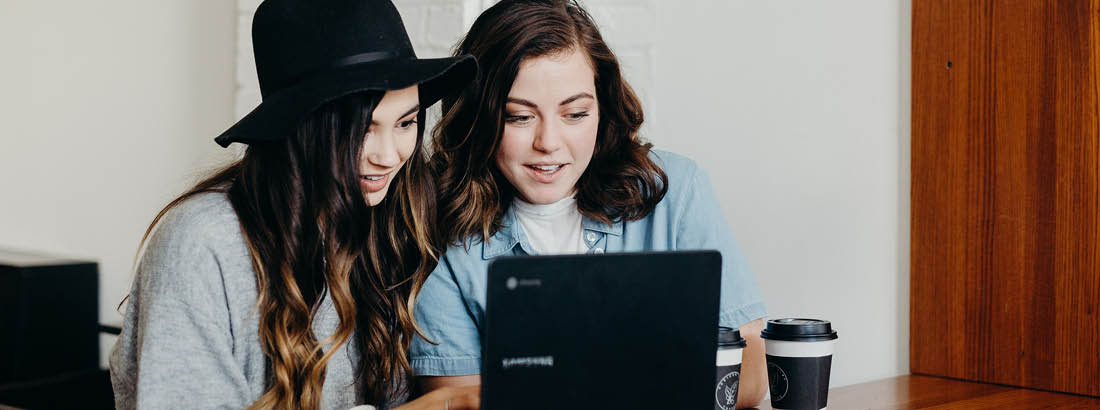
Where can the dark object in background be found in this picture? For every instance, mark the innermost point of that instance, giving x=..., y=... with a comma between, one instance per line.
x=49, y=328
x=88, y=390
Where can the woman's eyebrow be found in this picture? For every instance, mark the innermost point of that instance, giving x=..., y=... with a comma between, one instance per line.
x=576, y=97
x=521, y=101
x=415, y=108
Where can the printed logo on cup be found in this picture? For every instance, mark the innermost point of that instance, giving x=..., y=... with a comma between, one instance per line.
x=778, y=381
x=725, y=395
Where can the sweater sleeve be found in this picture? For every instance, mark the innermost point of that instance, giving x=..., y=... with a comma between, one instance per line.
x=176, y=346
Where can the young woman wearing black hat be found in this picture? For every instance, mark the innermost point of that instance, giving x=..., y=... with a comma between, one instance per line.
x=287, y=279
x=543, y=157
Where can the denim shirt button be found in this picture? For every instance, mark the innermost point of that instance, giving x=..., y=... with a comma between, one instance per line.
x=590, y=237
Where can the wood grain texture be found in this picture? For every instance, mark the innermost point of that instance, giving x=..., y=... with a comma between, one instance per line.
x=1005, y=257
x=924, y=392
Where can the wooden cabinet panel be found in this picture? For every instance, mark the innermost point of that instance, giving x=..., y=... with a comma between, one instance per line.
x=1005, y=257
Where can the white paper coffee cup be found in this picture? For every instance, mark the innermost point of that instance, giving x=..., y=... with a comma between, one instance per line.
x=799, y=356
x=728, y=368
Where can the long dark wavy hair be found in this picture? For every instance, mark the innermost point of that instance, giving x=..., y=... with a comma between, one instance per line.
x=621, y=182
x=310, y=232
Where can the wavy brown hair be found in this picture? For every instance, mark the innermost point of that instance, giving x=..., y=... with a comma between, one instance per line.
x=310, y=233
x=621, y=182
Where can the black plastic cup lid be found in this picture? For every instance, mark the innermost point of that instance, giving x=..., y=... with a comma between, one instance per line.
x=799, y=330
x=730, y=337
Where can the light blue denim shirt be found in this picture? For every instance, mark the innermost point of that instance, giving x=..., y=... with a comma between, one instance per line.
x=451, y=305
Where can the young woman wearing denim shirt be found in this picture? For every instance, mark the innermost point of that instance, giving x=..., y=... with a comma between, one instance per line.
x=544, y=158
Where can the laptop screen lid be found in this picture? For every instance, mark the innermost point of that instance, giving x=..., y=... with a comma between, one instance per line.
x=628, y=330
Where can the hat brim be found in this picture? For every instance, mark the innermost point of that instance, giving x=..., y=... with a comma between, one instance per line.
x=282, y=111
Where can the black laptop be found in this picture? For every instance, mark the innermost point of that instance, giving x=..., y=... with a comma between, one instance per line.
x=612, y=331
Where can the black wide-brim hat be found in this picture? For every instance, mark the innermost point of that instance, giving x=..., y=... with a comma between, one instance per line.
x=310, y=52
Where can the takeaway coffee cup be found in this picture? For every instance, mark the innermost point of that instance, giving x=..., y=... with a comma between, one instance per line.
x=728, y=368
x=799, y=355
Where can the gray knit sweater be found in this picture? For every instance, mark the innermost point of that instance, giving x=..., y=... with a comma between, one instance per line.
x=190, y=334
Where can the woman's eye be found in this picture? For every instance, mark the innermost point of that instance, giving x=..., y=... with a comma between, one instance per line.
x=406, y=124
x=576, y=116
x=518, y=119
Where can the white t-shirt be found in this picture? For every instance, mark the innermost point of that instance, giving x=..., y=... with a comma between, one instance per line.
x=552, y=228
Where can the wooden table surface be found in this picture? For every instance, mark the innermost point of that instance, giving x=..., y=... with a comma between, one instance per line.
x=925, y=392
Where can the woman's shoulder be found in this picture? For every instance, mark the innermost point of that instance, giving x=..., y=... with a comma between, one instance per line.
x=209, y=205
x=467, y=251
x=670, y=159
x=206, y=217
x=681, y=170
x=675, y=165
x=200, y=237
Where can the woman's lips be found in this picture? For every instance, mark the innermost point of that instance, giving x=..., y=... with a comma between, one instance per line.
x=545, y=173
x=374, y=183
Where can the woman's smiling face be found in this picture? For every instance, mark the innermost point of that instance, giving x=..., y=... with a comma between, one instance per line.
x=551, y=120
x=390, y=141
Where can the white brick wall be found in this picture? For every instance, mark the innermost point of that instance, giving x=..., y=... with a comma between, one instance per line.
x=435, y=26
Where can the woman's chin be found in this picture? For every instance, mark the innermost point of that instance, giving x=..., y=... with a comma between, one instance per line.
x=544, y=196
x=375, y=198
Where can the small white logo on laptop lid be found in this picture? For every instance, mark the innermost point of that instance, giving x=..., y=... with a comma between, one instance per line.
x=527, y=362
x=512, y=282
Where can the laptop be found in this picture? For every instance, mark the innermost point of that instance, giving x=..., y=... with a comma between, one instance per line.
x=609, y=331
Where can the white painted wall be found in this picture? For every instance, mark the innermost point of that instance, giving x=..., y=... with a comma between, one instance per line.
x=800, y=112
x=108, y=110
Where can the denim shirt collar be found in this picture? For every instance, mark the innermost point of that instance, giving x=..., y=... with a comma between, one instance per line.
x=504, y=240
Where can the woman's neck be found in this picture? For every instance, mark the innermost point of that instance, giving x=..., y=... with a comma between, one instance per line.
x=559, y=207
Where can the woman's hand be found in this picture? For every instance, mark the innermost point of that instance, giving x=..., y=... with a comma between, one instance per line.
x=447, y=398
